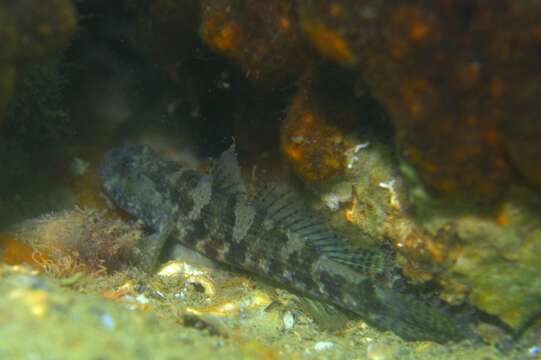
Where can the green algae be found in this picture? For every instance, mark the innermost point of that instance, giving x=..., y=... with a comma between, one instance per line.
x=497, y=257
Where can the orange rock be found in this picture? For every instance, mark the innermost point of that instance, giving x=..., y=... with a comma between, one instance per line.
x=329, y=43
x=263, y=37
x=458, y=78
x=14, y=252
x=313, y=136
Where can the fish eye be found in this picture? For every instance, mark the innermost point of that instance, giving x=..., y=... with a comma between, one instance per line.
x=126, y=163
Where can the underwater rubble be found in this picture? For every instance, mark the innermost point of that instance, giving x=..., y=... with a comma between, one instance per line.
x=409, y=126
x=183, y=310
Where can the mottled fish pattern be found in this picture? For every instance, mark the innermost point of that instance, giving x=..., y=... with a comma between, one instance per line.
x=273, y=235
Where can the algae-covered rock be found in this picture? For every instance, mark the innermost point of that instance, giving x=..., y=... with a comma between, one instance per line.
x=313, y=134
x=478, y=254
x=35, y=30
x=79, y=240
x=367, y=196
x=328, y=138
x=463, y=123
x=487, y=258
x=495, y=257
x=485, y=255
x=458, y=78
x=37, y=113
x=264, y=38
x=32, y=138
x=329, y=105
x=29, y=32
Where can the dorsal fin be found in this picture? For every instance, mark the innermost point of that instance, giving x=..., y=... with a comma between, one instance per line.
x=281, y=204
x=226, y=173
x=285, y=207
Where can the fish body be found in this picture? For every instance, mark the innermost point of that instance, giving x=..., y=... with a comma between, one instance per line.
x=272, y=235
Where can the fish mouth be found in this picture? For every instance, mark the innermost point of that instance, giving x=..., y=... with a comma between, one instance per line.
x=110, y=164
x=116, y=165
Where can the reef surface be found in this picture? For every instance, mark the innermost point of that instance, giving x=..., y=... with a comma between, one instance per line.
x=406, y=125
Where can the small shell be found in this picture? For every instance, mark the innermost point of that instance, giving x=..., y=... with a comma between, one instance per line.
x=232, y=307
x=323, y=345
x=180, y=268
x=289, y=320
x=190, y=273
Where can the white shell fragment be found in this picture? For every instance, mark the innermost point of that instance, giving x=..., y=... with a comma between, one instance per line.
x=190, y=273
x=323, y=345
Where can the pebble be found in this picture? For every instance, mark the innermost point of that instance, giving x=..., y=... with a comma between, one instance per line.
x=142, y=299
x=323, y=345
x=379, y=351
x=289, y=320
x=107, y=321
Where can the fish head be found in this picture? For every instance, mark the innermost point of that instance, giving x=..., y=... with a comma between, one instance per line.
x=135, y=178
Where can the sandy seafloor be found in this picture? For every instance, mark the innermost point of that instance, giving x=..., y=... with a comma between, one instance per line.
x=191, y=311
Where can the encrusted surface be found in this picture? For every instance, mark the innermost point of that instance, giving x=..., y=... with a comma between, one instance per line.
x=457, y=78
x=263, y=37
